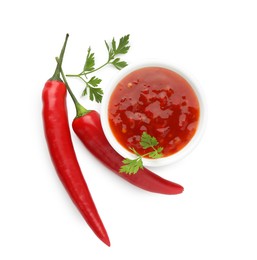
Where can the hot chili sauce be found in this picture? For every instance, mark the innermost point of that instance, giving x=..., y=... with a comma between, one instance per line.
x=157, y=101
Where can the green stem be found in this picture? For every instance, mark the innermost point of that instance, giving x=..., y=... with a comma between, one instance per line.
x=83, y=79
x=80, y=110
x=135, y=152
x=91, y=71
x=57, y=72
x=88, y=72
x=141, y=155
x=72, y=75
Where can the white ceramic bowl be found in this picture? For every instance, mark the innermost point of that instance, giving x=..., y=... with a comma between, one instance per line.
x=127, y=154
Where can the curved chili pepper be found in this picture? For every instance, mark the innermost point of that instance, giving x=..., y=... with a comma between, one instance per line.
x=88, y=128
x=62, y=152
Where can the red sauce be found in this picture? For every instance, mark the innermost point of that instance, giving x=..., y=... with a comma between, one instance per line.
x=157, y=101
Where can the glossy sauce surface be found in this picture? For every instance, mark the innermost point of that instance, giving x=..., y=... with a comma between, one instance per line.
x=157, y=101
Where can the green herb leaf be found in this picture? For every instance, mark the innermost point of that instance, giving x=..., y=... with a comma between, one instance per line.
x=110, y=51
x=91, y=88
x=90, y=61
x=118, y=64
x=95, y=93
x=107, y=45
x=123, y=46
x=156, y=153
x=94, y=81
x=148, y=141
x=84, y=93
x=131, y=166
x=113, y=45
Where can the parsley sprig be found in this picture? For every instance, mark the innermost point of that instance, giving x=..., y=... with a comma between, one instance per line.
x=92, y=84
x=131, y=166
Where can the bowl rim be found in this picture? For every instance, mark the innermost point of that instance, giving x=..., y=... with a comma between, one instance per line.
x=163, y=160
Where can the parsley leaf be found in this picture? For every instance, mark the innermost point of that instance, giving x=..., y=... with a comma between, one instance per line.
x=147, y=141
x=118, y=64
x=123, y=46
x=94, y=81
x=95, y=93
x=131, y=166
x=90, y=61
x=156, y=153
x=114, y=49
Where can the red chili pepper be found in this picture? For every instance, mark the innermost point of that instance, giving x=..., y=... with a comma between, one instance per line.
x=88, y=128
x=62, y=152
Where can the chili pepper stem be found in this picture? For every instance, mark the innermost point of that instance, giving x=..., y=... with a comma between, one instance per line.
x=80, y=110
x=57, y=72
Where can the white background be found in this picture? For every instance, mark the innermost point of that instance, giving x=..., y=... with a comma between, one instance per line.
x=214, y=42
